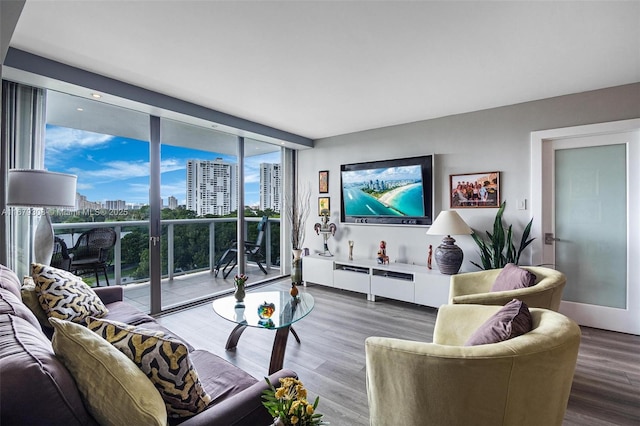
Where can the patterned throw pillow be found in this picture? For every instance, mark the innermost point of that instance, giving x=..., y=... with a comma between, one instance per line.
x=65, y=296
x=30, y=298
x=164, y=360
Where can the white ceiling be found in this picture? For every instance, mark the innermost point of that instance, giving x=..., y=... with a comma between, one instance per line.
x=324, y=68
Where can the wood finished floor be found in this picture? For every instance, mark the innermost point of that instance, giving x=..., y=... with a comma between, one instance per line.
x=331, y=361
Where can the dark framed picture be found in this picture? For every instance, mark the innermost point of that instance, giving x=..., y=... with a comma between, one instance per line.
x=323, y=181
x=324, y=203
x=475, y=190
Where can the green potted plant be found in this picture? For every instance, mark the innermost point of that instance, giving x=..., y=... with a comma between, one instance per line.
x=499, y=249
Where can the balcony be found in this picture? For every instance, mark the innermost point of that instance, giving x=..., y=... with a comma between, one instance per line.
x=190, y=249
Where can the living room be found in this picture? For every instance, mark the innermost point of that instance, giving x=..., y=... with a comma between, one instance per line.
x=495, y=134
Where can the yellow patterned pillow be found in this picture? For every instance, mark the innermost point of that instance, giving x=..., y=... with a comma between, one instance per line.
x=65, y=296
x=164, y=360
x=30, y=298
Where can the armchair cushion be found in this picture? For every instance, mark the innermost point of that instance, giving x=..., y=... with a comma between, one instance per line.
x=164, y=360
x=65, y=296
x=512, y=320
x=513, y=277
x=113, y=388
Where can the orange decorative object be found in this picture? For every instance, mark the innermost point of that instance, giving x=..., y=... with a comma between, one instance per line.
x=294, y=290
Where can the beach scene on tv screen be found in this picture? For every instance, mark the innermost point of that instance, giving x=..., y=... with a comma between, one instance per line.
x=389, y=191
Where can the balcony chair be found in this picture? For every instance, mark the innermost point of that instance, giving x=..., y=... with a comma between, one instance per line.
x=61, y=257
x=253, y=252
x=523, y=381
x=475, y=288
x=91, y=252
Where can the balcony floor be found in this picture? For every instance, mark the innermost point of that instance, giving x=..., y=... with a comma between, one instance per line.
x=191, y=287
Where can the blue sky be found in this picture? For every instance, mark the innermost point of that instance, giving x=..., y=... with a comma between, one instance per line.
x=117, y=168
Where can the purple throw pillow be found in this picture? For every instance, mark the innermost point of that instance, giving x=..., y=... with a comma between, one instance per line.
x=513, y=277
x=512, y=320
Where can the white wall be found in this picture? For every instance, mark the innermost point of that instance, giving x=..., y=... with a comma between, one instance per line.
x=489, y=140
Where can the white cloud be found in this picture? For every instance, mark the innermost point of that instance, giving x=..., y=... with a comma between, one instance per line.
x=83, y=186
x=60, y=139
x=121, y=170
x=176, y=189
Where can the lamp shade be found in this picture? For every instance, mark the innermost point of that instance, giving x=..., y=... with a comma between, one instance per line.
x=449, y=222
x=40, y=188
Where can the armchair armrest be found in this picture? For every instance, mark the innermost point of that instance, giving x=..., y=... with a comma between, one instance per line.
x=244, y=408
x=110, y=294
x=471, y=283
x=456, y=323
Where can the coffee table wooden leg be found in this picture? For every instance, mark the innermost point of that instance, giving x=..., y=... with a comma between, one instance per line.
x=232, y=341
x=279, y=346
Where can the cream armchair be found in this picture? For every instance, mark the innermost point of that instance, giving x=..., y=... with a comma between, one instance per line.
x=474, y=288
x=524, y=381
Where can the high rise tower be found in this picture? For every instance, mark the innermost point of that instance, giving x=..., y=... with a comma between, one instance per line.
x=270, y=184
x=212, y=187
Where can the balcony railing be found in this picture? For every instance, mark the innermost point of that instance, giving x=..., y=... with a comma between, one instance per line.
x=169, y=226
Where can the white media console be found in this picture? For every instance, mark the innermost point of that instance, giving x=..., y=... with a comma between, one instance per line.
x=399, y=281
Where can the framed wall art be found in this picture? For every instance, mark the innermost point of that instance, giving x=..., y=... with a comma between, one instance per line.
x=323, y=181
x=323, y=204
x=474, y=190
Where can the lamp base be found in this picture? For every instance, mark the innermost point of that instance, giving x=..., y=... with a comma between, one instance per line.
x=449, y=256
x=43, y=240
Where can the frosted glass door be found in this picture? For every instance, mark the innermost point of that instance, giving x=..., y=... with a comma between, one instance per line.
x=591, y=224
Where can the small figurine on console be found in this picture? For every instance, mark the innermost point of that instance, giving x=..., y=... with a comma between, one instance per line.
x=382, y=253
x=326, y=229
x=430, y=256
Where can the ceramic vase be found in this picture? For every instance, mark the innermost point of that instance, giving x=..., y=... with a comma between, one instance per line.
x=296, y=267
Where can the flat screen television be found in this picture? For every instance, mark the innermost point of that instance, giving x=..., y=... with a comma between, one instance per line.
x=388, y=192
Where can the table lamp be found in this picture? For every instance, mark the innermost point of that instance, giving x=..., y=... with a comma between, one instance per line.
x=40, y=188
x=448, y=255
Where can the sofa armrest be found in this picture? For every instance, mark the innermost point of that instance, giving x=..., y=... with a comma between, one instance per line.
x=244, y=408
x=110, y=294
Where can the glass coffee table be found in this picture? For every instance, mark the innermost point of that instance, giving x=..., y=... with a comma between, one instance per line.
x=287, y=311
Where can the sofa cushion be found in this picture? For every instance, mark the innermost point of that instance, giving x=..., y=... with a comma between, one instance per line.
x=65, y=296
x=512, y=320
x=220, y=378
x=12, y=305
x=9, y=280
x=513, y=277
x=34, y=382
x=127, y=313
x=164, y=360
x=114, y=389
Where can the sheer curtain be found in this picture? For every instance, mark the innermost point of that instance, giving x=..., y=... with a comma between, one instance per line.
x=23, y=129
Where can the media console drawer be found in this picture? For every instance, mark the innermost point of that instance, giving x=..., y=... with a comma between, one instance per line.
x=393, y=288
x=352, y=278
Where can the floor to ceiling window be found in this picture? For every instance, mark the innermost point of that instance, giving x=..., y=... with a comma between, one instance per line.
x=107, y=148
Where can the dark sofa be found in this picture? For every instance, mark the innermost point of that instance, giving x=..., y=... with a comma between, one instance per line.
x=37, y=389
